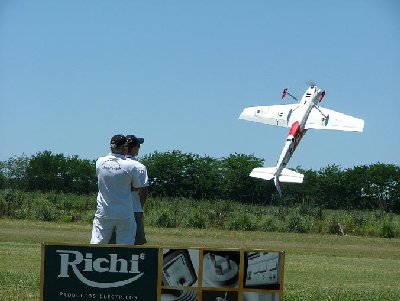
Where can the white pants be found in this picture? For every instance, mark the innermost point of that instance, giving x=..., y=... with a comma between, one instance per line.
x=125, y=230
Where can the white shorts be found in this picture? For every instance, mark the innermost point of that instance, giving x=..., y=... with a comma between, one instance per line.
x=125, y=230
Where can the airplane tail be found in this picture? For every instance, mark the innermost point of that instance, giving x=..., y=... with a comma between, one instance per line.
x=268, y=173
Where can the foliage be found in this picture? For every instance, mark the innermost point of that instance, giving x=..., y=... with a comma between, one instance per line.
x=13, y=172
x=166, y=212
x=237, y=185
x=330, y=186
x=11, y=202
x=45, y=206
x=176, y=174
x=49, y=172
x=240, y=221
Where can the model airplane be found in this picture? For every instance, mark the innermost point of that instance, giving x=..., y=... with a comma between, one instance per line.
x=299, y=117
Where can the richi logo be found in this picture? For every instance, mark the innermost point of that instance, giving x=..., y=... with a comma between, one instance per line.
x=110, y=264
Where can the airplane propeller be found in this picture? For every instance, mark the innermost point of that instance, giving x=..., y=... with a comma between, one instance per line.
x=285, y=92
x=310, y=83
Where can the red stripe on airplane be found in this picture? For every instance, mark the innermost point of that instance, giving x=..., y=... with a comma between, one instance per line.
x=295, y=129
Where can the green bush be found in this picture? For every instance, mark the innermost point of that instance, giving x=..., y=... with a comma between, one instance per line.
x=216, y=218
x=268, y=224
x=216, y=214
x=88, y=216
x=240, y=221
x=66, y=217
x=162, y=218
x=298, y=224
x=83, y=202
x=330, y=225
x=196, y=219
x=388, y=230
x=23, y=213
x=44, y=211
x=282, y=212
x=10, y=202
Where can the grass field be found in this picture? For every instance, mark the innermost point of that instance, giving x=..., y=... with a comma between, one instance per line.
x=318, y=267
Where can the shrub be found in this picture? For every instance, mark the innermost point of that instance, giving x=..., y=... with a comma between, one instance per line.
x=44, y=211
x=22, y=213
x=163, y=218
x=240, y=221
x=216, y=218
x=336, y=228
x=10, y=202
x=88, y=217
x=83, y=202
x=67, y=217
x=268, y=224
x=388, y=229
x=298, y=224
x=348, y=222
x=217, y=214
x=196, y=219
x=282, y=212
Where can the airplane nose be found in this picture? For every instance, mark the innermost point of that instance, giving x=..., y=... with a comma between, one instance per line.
x=247, y=112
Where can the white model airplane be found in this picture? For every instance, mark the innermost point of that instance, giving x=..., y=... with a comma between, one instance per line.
x=299, y=117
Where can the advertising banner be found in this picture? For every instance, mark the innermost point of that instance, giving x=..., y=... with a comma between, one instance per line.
x=99, y=273
x=111, y=272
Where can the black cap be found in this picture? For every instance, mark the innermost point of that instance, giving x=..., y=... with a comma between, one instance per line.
x=117, y=141
x=132, y=140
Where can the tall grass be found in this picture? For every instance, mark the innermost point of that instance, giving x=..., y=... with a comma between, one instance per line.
x=213, y=214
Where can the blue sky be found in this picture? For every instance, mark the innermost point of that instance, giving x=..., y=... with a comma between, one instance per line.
x=178, y=73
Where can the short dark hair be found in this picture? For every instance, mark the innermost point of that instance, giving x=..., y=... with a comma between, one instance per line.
x=117, y=141
x=132, y=141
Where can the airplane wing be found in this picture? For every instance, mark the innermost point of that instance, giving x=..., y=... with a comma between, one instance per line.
x=268, y=173
x=273, y=115
x=325, y=119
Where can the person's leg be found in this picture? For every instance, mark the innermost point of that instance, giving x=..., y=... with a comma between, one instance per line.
x=101, y=231
x=126, y=231
x=140, y=238
x=113, y=239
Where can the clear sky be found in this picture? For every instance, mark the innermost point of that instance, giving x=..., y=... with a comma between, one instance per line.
x=179, y=72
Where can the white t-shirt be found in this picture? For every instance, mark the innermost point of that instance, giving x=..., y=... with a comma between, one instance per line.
x=115, y=176
x=144, y=182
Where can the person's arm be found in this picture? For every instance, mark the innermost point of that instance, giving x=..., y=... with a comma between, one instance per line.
x=143, y=195
x=135, y=184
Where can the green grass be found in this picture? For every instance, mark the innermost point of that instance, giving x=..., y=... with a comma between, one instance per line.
x=317, y=267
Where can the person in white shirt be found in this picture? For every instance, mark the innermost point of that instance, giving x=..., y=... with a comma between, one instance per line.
x=140, y=195
x=116, y=176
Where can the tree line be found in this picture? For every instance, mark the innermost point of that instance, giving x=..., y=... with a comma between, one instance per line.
x=178, y=174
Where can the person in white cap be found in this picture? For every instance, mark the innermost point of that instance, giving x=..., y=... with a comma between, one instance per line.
x=116, y=176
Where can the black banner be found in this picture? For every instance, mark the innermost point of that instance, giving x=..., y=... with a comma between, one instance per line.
x=99, y=273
